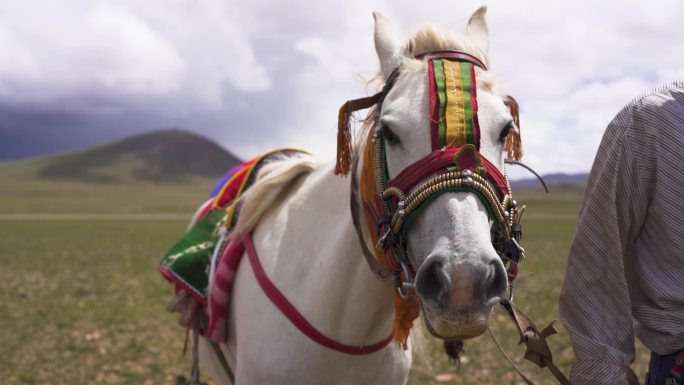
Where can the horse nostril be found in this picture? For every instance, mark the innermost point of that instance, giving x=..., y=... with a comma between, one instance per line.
x=431, y=280
x=497, y=280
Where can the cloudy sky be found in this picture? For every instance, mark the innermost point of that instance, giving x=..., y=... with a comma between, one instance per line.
x=259, y=74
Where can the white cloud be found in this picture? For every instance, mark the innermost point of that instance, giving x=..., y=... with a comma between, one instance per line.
x=561, y=133
x=228, y=66
x=119, y=49
x=572, y=65
x=123, y=53
x=213, y=40
x=16, y=60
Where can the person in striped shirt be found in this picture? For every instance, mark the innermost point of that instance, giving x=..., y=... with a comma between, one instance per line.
x=625, y=273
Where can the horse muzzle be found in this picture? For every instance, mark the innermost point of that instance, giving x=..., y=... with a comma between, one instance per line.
x=457, y=297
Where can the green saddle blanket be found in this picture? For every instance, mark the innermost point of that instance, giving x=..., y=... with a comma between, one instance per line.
x=187, y=263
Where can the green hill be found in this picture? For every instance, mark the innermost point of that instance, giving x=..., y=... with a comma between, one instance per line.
x=162, y=172
x=171, y=155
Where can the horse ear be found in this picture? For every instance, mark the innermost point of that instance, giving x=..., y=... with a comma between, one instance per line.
x=387, y=45
x=477, y=31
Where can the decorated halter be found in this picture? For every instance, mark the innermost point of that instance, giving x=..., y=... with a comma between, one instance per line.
x=455, y=164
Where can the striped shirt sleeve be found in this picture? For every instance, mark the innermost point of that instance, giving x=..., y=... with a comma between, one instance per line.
x=595, y=301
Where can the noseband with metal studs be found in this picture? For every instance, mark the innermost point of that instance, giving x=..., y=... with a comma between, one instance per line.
x=456, y=169
x=455, y=164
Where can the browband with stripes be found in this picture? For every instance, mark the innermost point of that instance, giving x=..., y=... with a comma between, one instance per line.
x=453, y=102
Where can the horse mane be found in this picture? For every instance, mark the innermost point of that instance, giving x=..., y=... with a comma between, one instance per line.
x=271, y=184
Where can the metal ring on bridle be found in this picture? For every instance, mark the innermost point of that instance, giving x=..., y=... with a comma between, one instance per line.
x=405, y=285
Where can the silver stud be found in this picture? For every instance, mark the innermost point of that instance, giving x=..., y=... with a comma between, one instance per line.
x=401, y=213
x=401, y=205
x=514, y=203
x=467, y=173
x=468, y=181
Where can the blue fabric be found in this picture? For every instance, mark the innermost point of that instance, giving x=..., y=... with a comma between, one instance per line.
x=659, y=368
x=222, y=181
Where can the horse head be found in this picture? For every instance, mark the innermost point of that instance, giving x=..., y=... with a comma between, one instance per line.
x=434, y=156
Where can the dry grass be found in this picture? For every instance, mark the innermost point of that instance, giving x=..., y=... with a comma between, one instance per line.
x=81, y=301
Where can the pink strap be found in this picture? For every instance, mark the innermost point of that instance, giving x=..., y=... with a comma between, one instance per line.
x=294, y=316
x=437, y=161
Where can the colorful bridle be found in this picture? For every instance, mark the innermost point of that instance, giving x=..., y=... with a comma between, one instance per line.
x=455, y=164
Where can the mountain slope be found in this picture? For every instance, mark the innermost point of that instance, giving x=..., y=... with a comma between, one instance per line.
x=162, y=156
x=567, y=181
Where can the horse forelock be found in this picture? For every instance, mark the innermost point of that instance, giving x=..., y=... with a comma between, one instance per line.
x=429, y=38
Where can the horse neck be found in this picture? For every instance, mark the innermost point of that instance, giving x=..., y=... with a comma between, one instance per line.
x=321, y=262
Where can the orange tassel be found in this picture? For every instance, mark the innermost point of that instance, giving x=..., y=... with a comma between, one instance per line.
x=513, y=144
x=342, y=167
x=405, y=312
x=344, y=134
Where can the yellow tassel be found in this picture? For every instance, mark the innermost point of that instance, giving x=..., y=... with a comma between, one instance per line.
x=367, y=191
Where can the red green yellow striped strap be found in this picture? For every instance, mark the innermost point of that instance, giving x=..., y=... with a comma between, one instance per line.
x=453, y=103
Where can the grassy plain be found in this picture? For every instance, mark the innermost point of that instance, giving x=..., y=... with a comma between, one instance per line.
x=28, y=195
x=81, y=301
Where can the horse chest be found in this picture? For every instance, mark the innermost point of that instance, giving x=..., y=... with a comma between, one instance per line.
x=270, y=350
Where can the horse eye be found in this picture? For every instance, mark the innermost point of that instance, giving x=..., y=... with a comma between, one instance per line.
x=389, y=135
x=504, y=133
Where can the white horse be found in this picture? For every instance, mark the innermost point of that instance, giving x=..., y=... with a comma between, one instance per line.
x=299, y=217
